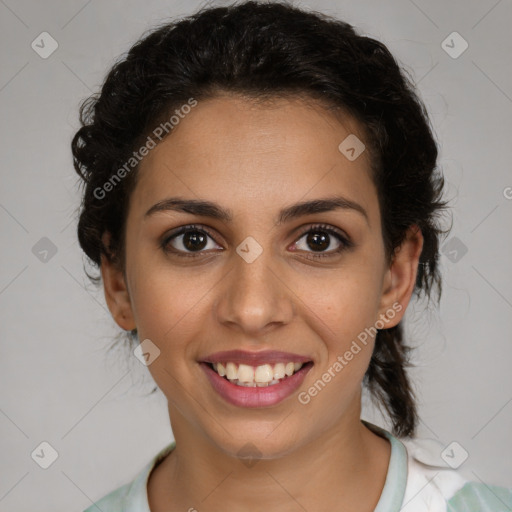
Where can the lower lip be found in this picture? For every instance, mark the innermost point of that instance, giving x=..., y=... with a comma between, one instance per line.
x=242, y=396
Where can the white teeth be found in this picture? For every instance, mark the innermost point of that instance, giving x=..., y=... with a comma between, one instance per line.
x=279, y=371
x=231, y=371
x=263, y=374
x=260, y=376
x=220, y=369
x=245, y=373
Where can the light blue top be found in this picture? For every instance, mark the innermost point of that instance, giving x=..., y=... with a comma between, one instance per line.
x=418, y=480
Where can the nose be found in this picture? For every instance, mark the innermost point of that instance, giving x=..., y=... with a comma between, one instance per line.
x=254, y=297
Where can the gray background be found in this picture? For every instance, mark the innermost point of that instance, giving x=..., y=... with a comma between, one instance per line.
x=58, y=383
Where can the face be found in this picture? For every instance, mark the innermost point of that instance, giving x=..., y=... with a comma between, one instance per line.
x=250, y=273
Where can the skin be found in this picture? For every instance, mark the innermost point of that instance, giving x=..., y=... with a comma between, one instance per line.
x=255, y=159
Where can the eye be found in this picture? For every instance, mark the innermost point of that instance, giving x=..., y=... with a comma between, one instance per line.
x=187, y=241
x=192, y=241
x=320, y=238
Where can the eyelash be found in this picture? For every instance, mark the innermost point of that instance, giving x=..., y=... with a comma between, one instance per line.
x=344, y=241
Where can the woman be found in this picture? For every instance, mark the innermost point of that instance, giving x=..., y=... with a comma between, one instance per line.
x=261, y=197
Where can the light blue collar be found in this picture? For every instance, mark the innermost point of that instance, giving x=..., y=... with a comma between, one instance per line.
x=392, y=495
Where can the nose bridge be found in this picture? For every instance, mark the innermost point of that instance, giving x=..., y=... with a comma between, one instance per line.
x=254, y=295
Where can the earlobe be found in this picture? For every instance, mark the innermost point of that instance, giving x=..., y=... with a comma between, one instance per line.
x=400, y=278
x=116, y=292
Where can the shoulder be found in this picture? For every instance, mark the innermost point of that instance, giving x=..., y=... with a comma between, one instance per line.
x=481, y=497
x=115, y=500
x=433, y=483
x=133, y=496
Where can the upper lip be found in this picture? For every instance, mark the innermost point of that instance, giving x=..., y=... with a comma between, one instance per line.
x=255, y=358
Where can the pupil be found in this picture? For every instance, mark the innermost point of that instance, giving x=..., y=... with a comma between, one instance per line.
x=318, y=240
x=194, y=240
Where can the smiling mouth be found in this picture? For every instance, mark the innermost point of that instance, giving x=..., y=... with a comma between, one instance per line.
x=257, y=376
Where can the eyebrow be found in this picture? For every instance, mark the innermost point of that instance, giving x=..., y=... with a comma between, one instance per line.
x=210, y=209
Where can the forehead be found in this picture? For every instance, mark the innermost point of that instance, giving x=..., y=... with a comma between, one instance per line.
x=251, y=156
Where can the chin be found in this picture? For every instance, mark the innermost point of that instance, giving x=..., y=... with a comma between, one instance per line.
x=257, y=444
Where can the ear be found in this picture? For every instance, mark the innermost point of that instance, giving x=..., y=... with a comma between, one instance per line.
x=116, y=292
x=400, y=277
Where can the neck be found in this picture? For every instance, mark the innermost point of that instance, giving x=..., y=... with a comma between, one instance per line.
x=343, y=469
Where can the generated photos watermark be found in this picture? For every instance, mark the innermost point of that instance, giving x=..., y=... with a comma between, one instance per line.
x=156, y=136
x=305, y=397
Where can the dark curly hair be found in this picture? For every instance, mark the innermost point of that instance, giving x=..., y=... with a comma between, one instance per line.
x=263, y=51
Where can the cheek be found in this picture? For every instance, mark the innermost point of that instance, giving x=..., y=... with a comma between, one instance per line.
x=347, y=311
x=169, y=314
x=346, y=302
x=165, y=304
x=345, y=308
